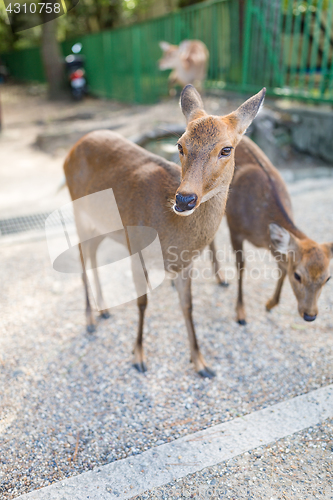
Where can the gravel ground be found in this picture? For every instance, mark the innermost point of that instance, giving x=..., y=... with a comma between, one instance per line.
x=298, y=467
x=71, y=401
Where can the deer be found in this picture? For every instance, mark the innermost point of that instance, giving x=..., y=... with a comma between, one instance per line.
x=188, y=60
x=259, y=210
x=184, y=204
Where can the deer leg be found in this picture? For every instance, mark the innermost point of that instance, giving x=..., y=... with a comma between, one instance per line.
x=183, y=285
x=276, y=297
x=217, y=272
x=104, y=313
x=140, y=283
x=139, y=362
x=89, y=313
x=240, y=263
x=172, y=81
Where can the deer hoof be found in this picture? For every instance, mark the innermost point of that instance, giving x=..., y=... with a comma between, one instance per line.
x=241, y=322
x=141, y=367
x=223, y=283
x=105, y=315
x=206, y=373
x=91, y=328
x=270, y=305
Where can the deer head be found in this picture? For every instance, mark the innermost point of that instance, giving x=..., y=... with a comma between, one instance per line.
x=308, y=268
x=170, y=58
x=207, y=149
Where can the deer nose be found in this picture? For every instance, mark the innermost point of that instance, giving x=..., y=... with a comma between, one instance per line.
x=185, y=202
x=307, y=317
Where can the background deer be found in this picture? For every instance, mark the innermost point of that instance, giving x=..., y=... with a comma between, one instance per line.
x=185, y=205
x=259, y=211
x=188, y=60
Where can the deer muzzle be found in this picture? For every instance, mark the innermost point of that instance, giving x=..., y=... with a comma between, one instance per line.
x=309, y=317
x=185, y=203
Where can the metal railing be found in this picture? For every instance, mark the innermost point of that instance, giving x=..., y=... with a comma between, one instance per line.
x=289, y=46
x=285, y=45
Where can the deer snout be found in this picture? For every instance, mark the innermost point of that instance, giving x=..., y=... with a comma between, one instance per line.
x=308, y=317
x=185, y=202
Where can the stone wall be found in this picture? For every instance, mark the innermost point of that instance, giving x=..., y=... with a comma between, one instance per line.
x=287, y=135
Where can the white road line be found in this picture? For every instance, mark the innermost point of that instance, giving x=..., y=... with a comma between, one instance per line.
x=160, y=465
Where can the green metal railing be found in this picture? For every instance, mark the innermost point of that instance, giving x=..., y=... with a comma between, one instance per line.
x=289, y=47
x=285, y=45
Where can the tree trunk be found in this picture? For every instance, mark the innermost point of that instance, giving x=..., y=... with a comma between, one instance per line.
x=52, y=59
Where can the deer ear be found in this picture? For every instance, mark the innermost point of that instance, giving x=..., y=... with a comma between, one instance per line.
x=283, y=241
x=164, y=46
x=280, y=238
x=191, y=103
x=329, y=247
x=246, y=113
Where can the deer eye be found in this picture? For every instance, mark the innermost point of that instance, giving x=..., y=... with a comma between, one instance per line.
x=328, y=279
x=225, y=152
x=180, y=149
x=297, y=277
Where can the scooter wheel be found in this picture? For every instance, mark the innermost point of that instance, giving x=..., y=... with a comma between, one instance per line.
x=77, y=95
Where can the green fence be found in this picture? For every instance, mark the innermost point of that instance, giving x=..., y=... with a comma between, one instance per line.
x=285, y=45
x=288, y=45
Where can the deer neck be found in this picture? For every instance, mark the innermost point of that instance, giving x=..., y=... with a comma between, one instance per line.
x=195, y=232
x=207, y=217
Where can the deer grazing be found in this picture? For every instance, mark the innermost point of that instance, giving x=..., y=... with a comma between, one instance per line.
x=188, y=60
x=144, y=184
x=259, y=211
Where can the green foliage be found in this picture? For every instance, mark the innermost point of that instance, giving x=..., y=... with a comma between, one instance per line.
x=87, y=17
x=90, y=16
x=301, y=7
x=22, y=39
x=6, y=35
x=187, y=3
x=136, y=10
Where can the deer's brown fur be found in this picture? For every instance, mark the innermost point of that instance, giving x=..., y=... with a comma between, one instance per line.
x=145, y=186
x=259, y=211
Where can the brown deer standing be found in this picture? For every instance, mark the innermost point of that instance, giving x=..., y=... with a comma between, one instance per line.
x=145, y=184
x=188, y=60
x=259, y=211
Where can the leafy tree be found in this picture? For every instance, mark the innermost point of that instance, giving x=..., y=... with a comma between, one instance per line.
x=10, y=40
x=90, y=16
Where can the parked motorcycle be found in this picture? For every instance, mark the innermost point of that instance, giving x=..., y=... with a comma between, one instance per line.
x=76, y=73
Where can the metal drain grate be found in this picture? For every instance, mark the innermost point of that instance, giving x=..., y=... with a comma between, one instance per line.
x=25, y=223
